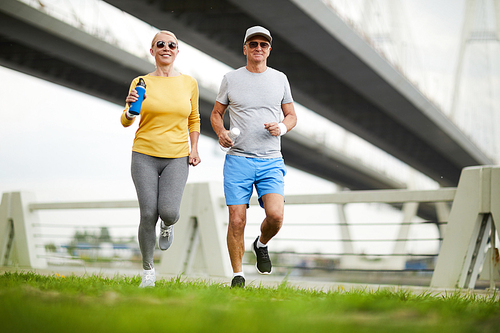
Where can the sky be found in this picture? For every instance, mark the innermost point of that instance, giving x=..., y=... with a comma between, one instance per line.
x=63, y=145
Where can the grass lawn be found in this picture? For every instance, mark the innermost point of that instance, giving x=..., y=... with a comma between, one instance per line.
x=31, y=302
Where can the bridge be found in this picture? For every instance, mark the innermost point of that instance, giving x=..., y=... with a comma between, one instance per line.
x=332, y=71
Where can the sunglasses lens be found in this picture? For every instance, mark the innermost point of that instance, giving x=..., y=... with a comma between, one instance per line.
x=161, y=44
x=263, y=45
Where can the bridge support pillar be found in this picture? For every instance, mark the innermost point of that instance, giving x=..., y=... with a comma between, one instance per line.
x=199, y=246
x=475, y=210
x=18, y=226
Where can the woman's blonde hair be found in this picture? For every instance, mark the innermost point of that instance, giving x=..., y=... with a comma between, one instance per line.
x=164, y=32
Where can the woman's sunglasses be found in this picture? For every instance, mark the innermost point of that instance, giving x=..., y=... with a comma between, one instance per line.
x=161, y=44
x=263, y=45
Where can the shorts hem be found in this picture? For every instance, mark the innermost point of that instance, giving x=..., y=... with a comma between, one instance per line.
x=270, y=192
x=236, y=203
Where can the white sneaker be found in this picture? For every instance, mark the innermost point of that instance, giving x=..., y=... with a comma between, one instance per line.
x=166, y=236
x=148, y=278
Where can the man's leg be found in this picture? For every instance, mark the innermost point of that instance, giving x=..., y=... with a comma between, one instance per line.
x=238, y=187
x=274, y=206
x=236, y=236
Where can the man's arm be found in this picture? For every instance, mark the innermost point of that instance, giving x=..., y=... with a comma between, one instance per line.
x=217, y=120
x=289, y=121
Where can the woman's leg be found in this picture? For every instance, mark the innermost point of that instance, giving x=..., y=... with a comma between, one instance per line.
x=172, y=182
x=145, y=174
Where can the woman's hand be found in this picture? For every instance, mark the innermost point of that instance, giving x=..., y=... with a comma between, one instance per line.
x=194, y=158
x=133, y=96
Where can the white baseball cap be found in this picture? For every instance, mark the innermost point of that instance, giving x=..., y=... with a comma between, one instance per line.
x=257, y=31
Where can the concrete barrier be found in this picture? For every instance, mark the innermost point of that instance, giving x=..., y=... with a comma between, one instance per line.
x=468, y=249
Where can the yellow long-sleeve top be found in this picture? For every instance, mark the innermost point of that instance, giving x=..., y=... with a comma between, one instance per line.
x=168, y=113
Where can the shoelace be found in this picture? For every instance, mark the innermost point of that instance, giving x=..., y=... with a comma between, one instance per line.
x=263, y=252
x=148, y=276
x=165, y=232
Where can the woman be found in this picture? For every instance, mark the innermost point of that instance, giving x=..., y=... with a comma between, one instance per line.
x=161, y=154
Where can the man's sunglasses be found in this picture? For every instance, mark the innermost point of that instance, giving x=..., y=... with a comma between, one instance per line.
x=171, y=45
x=263, y=45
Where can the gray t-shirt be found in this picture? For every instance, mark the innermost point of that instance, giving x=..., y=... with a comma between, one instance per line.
x=254, y=99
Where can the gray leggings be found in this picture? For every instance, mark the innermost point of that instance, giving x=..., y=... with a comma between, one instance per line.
x=159, y=183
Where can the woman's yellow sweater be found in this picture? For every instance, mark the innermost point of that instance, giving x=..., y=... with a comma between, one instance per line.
x=168, y=114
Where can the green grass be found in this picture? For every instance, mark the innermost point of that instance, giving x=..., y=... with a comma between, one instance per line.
x=31, y=302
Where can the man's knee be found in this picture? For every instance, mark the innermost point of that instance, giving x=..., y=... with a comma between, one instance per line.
x=274, y=210
x=237, y=219
x=237, y=223
x=274, y=207
x=275, y=216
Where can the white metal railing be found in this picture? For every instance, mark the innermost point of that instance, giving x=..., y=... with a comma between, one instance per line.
x=376, y=196
x=350, y=260
x=476, y=204
x=83, y=205
x=385, y=196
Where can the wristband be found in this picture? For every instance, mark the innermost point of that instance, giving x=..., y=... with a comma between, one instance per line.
x=283, y=129
x=130, y=115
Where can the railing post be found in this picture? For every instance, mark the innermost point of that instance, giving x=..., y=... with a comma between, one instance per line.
x=443, y=215
x=18, y=226
x=345, y=234
x=400, y=247
x=475, y=209
x=199, y=245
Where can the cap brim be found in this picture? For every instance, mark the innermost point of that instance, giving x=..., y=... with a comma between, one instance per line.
x=259, y=34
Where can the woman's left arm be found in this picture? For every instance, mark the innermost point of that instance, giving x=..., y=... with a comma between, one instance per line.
x=194, y=157
x=194, y=125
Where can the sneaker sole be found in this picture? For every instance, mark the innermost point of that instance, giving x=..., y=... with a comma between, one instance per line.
x=166, y=248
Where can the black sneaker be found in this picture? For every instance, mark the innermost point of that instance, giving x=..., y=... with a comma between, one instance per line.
x=238, y=282
x=263, y=261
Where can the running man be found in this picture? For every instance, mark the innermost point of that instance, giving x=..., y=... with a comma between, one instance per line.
x=260, y=105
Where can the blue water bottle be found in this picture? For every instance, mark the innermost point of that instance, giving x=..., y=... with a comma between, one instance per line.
x=135, y=108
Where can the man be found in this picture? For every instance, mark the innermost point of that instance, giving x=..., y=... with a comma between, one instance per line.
x=260, y=105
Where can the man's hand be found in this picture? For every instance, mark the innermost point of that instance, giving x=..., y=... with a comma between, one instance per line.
x=273, y=128
x=224, y=139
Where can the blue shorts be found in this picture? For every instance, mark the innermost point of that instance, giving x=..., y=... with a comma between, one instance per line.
x=242, y=173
